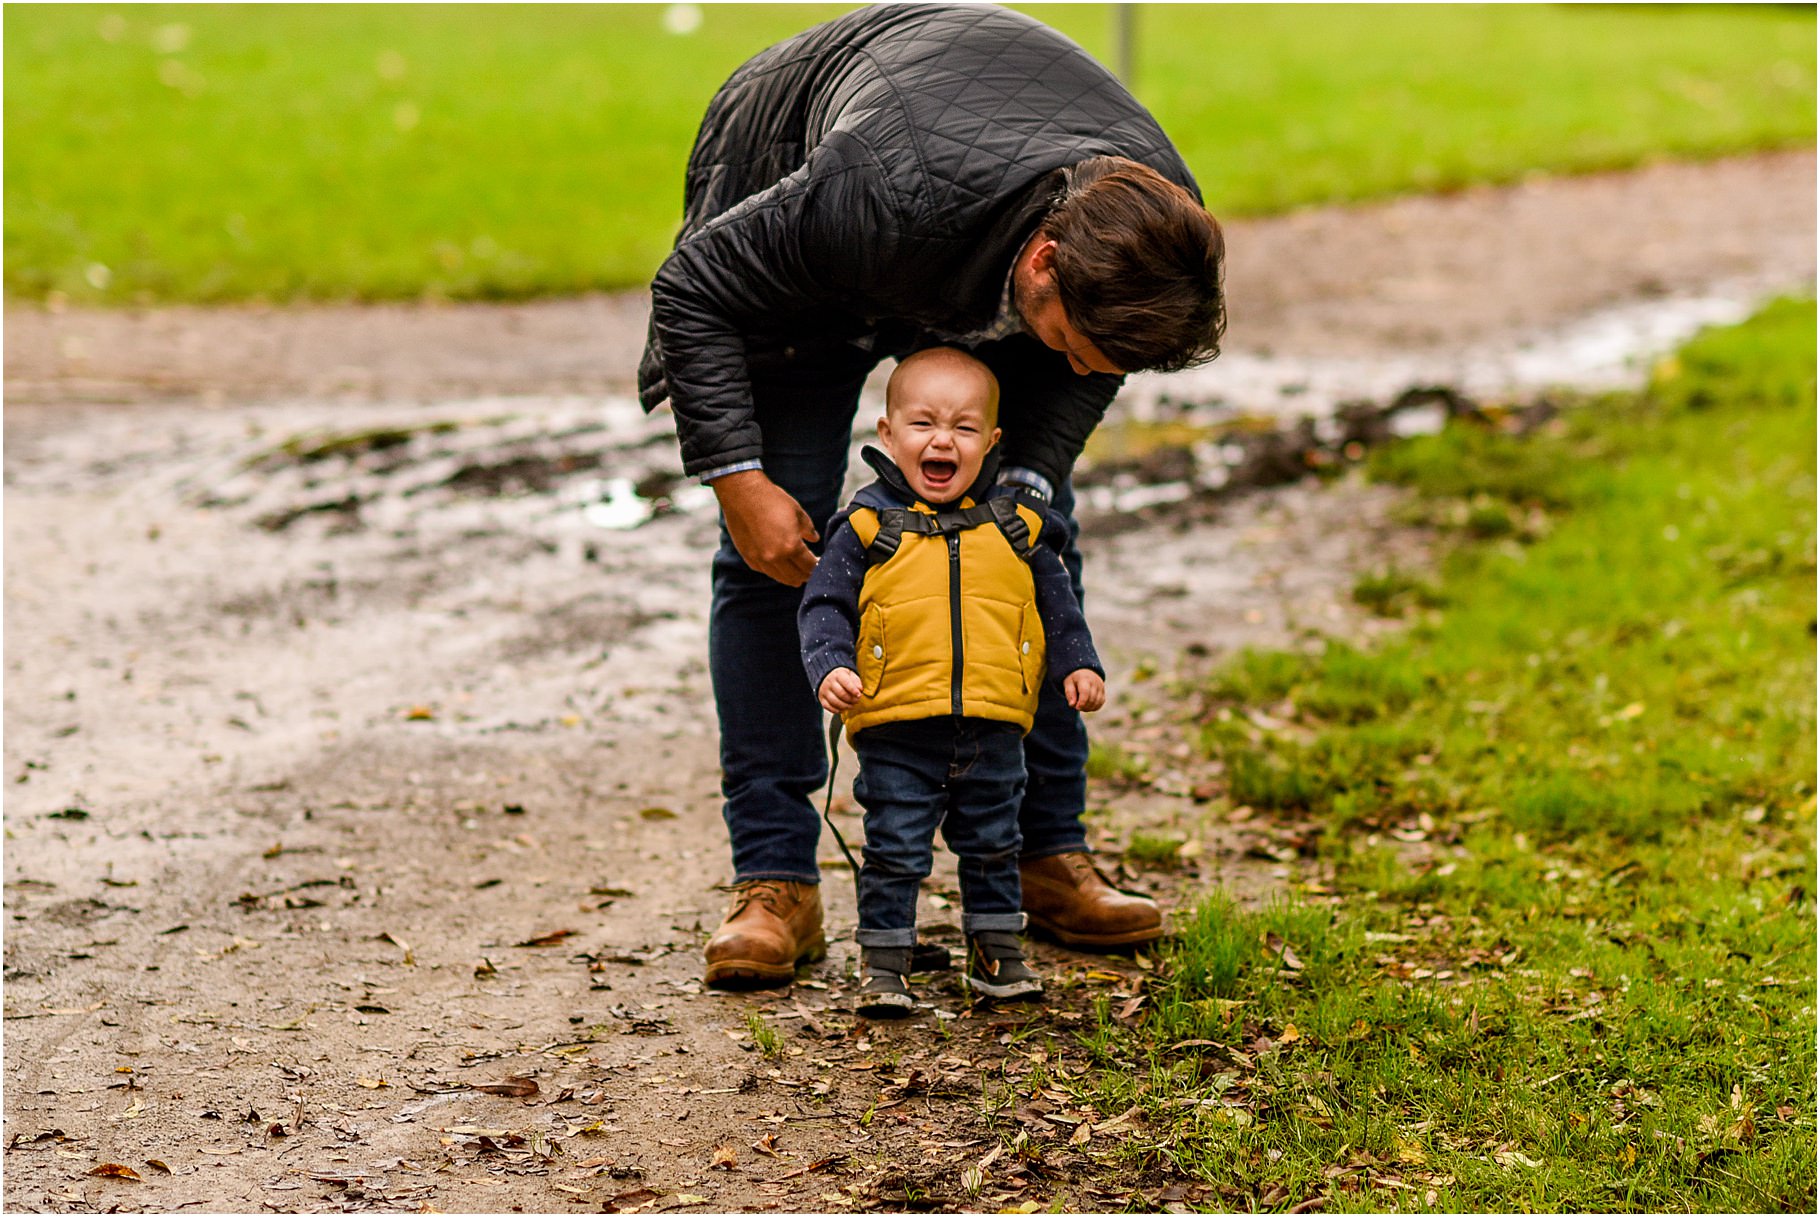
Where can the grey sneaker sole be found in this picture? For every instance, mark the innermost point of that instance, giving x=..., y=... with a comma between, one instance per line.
x=1014, y=990
x=886, y=1005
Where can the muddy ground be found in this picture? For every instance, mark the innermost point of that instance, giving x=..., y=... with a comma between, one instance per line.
x=360, y=759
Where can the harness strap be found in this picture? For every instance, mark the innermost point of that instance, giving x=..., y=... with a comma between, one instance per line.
x=834, y=730
x=888, y=525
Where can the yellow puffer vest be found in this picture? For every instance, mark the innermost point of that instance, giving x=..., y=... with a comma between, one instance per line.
x=947, y=618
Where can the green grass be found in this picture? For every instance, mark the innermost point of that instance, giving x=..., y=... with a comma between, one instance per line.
x=1563, y=954
x=764, y=1036
x=1111, y=763
x=1154, y=850
x=281, y=152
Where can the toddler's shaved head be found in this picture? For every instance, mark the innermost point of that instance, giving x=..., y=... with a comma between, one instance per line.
x=954, y=370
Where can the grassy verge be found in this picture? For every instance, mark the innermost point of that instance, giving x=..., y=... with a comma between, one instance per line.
x=279, y=152
x=1557, y=949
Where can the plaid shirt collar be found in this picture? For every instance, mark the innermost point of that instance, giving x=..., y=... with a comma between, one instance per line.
x=1004, y=323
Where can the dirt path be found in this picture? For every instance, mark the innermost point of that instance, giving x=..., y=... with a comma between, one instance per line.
x=344, y=779
x=1426, y=272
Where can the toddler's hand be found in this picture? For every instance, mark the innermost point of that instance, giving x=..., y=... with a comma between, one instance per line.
x=840, y=690
x=1086, y=691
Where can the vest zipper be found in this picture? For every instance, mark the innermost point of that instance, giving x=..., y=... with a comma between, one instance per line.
x=954, y=614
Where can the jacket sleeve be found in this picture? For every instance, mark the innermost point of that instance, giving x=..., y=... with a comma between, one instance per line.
x=1065, y=632
x=812, y=240
x=828, y=621
x=1046, y=410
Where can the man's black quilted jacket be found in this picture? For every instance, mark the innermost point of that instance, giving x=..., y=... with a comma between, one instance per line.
x=879, y=173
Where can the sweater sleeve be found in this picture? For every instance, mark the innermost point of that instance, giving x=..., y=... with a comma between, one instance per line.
x=1065, y=632
x=828, y=621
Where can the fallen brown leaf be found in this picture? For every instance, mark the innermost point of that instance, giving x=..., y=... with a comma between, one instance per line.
x=725, y=1158
x=549, y=939
x=115, y=1170
x=158, y=1166
x=511, y=1088
x=1275, y=945
x=657, y=813
x=631, y=1199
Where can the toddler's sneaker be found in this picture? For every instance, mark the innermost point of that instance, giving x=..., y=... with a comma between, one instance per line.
x=882, y=991
x=996, y=968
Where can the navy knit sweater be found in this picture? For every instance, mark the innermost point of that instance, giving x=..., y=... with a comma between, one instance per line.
x=828, y=620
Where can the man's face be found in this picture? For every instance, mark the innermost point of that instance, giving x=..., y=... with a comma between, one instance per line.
x=1039, y=302
x=938, y=430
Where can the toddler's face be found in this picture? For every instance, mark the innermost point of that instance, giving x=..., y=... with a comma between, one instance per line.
x=938, y=430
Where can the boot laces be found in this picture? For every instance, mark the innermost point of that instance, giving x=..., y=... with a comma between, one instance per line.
x=768, y=892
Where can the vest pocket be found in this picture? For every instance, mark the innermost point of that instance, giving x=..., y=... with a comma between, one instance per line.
x=871, y=655
x=1030, y=649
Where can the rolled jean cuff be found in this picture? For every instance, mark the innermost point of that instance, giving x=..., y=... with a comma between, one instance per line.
x=785, y=875
x=984, y=923
x=905, y=937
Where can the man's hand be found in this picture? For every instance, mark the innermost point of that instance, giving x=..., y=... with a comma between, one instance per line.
x=840, y=690
x=1086, y=691
x=769, y=528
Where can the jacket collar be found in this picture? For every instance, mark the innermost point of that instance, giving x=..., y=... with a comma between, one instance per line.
x=980, y=284
x=891, y=479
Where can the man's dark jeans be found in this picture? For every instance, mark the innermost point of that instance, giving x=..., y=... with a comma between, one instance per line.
x=772, y=745
x=962, y=775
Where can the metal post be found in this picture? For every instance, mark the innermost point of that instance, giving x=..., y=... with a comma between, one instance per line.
x=1124, y=19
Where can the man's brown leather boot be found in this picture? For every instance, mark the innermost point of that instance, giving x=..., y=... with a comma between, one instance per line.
x=773, y=926
x=1069, y=899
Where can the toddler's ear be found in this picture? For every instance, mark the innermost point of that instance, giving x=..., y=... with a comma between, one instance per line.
x=884, y=431
x=993, y=442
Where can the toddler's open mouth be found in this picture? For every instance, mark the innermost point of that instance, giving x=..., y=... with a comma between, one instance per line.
x=939, y=474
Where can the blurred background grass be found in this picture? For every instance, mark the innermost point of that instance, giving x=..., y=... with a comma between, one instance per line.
x=284, y=152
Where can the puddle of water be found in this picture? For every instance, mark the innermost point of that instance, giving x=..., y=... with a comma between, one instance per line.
x=570, y=468
x=1609, y=349
x=616, y=505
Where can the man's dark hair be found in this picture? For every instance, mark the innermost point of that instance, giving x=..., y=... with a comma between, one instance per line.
x=1138, y=264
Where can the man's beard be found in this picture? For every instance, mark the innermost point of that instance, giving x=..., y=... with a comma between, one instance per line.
x=1030, y=294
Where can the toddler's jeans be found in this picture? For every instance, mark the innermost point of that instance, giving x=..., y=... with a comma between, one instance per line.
x=964, y=776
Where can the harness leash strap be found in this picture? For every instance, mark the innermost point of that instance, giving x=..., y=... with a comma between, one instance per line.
x=834, y=728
